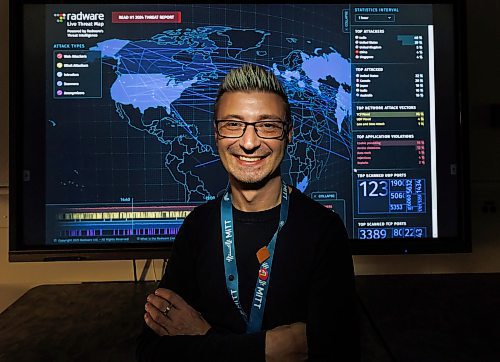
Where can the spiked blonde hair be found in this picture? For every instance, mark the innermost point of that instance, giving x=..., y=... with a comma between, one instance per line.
x=253, y=78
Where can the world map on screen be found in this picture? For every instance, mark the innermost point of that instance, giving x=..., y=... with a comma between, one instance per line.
x=166, y=85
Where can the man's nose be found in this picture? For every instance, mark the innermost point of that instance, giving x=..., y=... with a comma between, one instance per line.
x=250, y=140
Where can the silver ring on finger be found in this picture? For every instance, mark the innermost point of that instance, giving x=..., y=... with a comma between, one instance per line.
x=167, y=308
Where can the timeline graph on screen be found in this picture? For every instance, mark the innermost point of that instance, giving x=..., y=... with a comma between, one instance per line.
x=130, y=147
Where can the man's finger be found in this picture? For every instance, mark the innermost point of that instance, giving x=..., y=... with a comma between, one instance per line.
x=157, y=328
x=172, y=297
x=157, y=315
x=160, y=303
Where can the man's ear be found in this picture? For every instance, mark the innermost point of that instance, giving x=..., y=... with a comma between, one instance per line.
x=216, y=138
x=289, y=135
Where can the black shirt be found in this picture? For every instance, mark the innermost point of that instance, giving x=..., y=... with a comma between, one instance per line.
x=312, y=281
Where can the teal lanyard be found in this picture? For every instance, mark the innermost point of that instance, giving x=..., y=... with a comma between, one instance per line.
x=254, y=323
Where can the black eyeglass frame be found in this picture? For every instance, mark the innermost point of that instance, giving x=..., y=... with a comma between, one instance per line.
x=281, y=137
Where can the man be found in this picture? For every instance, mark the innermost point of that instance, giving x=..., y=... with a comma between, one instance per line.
x=263, y=273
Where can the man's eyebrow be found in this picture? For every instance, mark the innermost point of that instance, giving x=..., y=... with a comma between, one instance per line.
x=269, y=116
x=237, y=116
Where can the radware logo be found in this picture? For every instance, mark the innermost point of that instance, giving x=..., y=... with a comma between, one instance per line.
x=60, y=17
x=81, y=16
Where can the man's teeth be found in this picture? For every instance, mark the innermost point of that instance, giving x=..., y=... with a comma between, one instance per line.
x=249, y=159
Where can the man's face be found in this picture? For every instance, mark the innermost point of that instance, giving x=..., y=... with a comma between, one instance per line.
x=250, y=159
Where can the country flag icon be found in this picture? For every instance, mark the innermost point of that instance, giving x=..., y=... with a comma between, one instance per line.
x=263, y=274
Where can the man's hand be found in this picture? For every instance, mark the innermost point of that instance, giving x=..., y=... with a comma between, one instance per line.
x=168, y=314
x=287, y=343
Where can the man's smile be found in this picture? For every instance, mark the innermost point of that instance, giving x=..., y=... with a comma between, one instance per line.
x=249, y=159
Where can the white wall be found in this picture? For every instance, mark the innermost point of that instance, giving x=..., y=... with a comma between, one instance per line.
x=17, y=278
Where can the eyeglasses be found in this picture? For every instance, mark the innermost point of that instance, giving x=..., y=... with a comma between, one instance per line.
x=267, y=129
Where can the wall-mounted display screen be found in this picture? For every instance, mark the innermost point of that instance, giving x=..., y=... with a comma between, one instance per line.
x=112, y=117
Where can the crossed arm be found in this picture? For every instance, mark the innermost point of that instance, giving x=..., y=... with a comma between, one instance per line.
x=168, y=314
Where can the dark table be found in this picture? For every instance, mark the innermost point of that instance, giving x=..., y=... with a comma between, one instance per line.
x=449, y=317
x=74, y=322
